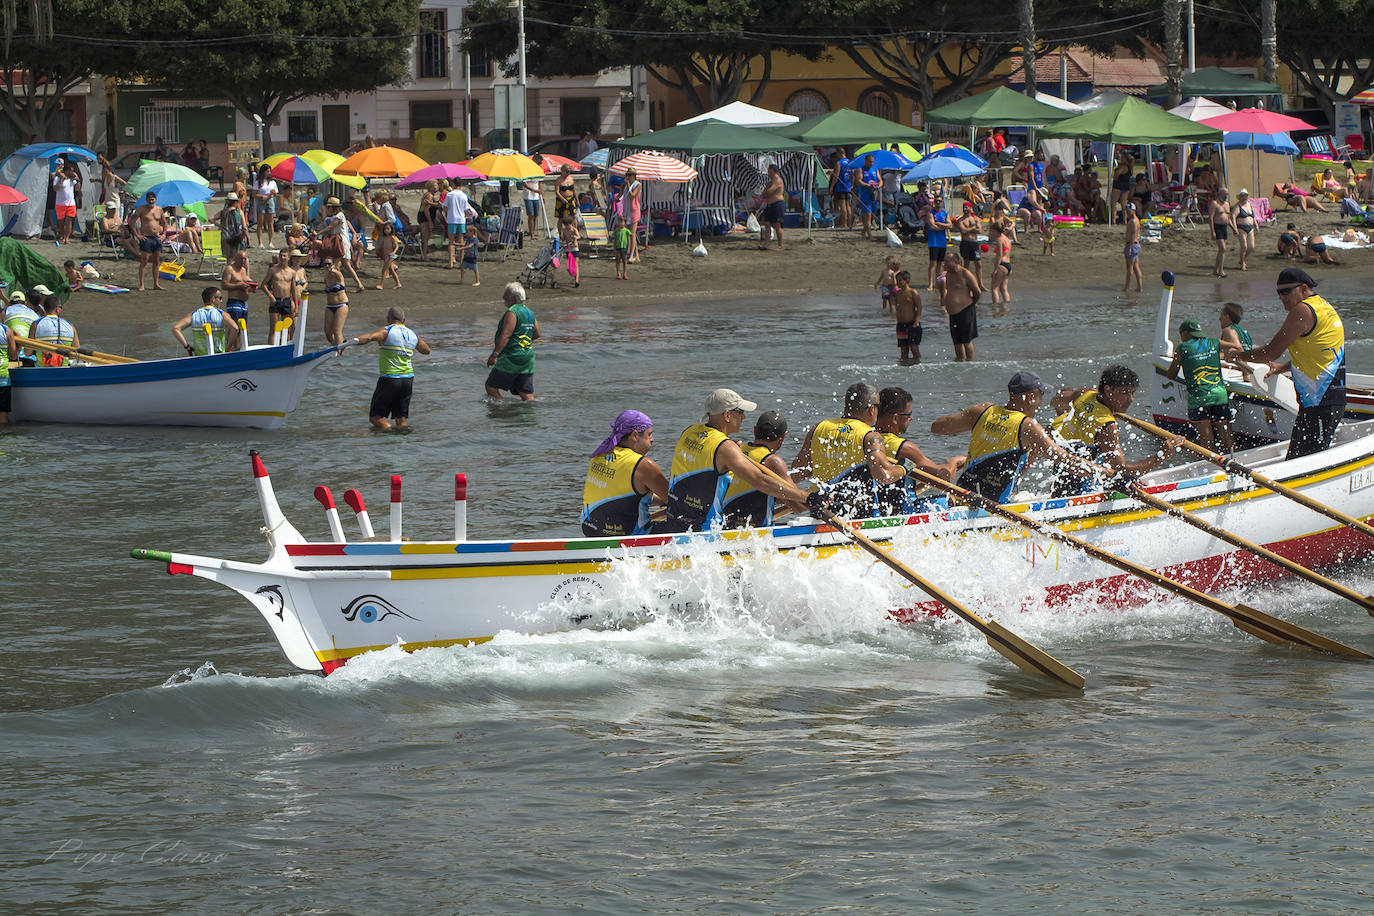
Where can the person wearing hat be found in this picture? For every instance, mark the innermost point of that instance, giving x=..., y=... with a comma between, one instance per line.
x=894, y=416
x=1198, y=358
x=223, y=333
x=336, y=238
x=1003, y=440
x=232, y=227
x=1243, y=217
x=1131, y=249
x=706, y=460
x=1314, y=337
x=745, y=505
x=1086, y=424
x=622, y=480
x=52, y=328
x=848, y=457
x=20, y=315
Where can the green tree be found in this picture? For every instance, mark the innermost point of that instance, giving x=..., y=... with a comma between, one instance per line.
x=262, y=55
x=1328, y=44
x=46, y=68
x=706, y=51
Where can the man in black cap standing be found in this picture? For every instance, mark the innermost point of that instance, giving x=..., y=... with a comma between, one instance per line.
x=1314, y=337
x=1005, y=439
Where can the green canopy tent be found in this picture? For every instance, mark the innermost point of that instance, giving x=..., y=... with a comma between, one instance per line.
x=1215, y=82
x=712, y=138
x=999, y=108
x=847, y=127
x=1130, y=122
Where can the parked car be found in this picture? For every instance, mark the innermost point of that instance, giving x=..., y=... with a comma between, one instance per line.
x=565, y=146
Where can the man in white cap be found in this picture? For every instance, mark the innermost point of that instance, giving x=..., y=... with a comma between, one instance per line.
x=1004, y=439
x=706, y=459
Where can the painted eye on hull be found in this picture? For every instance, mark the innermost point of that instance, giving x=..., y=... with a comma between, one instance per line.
x=245, y=385
x=371, y=609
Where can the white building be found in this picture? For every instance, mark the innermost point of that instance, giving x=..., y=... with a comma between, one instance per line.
x=448, y=91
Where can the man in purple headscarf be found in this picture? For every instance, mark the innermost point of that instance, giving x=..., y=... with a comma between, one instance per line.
x=621, y=481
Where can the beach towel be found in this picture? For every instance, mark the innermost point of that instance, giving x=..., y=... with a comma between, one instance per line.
x=98, y=287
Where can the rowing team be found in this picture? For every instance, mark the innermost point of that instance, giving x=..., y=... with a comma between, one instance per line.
x=864, y=465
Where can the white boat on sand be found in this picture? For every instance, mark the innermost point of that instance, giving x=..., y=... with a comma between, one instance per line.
x=329, y=602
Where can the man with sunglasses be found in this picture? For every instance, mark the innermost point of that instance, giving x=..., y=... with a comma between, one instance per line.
x=1314, y=337
x=894, y=416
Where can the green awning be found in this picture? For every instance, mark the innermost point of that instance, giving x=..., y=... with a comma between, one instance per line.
x=845, y=125
x=999, y=108
x=1131, y=121
x=707, y=138
x=1213, y=82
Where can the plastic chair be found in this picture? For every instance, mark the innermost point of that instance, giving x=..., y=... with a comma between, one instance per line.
x=211, y=247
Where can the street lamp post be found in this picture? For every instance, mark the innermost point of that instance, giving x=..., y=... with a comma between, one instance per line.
x=523, y=130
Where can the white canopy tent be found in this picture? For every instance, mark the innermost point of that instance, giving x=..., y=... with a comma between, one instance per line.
x=1199, y=109
x=742, y=114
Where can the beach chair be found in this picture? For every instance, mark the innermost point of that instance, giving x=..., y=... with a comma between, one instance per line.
x=508, y=234
x=212, y=249
x=597, y=234
x=1264, y=213
x=1319, y=147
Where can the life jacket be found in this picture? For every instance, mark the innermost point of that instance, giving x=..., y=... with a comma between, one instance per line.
x=743, y=505
x=1318, y=357
x=695, y=487
x=995, y=454
x=610, y=505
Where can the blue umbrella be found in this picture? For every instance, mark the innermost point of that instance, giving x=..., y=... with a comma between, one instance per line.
x=1265, y=143
x=886, y=160
x=177, y=193
x=600, y=158
x=933, y=168
x=958, y=152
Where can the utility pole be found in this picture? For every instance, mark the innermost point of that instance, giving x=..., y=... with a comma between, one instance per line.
x=1192, y=40
x=1269, y=46
x=523, y=131
x=1028, y=45
x=1173, y=50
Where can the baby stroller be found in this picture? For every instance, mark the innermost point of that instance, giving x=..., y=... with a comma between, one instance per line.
x=541, y=269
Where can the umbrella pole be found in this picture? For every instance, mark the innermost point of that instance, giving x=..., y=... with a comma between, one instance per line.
x=810, y=192
x=1111, y=155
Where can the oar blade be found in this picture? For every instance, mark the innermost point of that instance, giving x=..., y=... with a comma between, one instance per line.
x=1272, y=629
x=1029, y=658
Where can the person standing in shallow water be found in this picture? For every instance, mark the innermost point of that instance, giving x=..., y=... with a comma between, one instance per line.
x=395, y=371
x=512, y=352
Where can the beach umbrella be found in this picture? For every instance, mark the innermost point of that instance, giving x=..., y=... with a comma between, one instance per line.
x=552, y=163
x=9, y=195
x=944, y=145
x=906, y=149
x=177, y=193
x=330, y=161
x=885, y=160
x=650, y=165
x=380, y=162
x=53, y=150
x=1363, y=98
x=272, y=160
x=299, y=170
x=1266, y=143
x=954, y=151
x=448, y=171
x=505, y=165
x=600, y=158
x=1257, y=121
x=151, y=173
x=1199, y=109
x=934, y=168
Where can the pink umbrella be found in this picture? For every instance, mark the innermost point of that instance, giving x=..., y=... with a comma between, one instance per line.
x=1257, y=121
x=9, y=195
x=552, y=163
x=453, y=171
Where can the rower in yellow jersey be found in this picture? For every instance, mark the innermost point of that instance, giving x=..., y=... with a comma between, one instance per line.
x=1005, y=439
x=847, y=455
x=744, y=504
x=894, y=416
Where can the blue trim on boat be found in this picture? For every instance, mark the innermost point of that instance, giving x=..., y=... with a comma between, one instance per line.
x=161, y=370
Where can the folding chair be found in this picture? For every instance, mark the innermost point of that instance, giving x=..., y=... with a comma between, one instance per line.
x=1188, y=213
x=598, y=235
x=508, y=235
x=1319, y=147
x=211, y=246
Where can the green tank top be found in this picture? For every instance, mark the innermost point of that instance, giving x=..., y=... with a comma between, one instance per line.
x=518, y=356
x=1200, y=359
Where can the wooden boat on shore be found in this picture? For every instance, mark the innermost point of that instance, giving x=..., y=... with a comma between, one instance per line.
x=254, y=388
x=329, y=602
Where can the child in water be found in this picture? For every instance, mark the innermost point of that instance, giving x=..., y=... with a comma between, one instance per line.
x=887, y=280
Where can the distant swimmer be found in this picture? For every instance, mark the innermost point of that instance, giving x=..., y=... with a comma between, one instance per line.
x=622, y=480
x=1086, y=424
x=1004, y=439
x=396, y=344
x=848, y=457
x=745, y=504
x=706, y=460
x=223, y=334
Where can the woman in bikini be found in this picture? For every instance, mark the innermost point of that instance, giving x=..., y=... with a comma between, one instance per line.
x=1219, y=218
x=1000, y=243
x=335, y=302
x=1243, y=217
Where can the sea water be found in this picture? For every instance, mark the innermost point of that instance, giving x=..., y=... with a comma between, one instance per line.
x=781, y=746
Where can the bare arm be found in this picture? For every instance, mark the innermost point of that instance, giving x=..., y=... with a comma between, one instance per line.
x=648, y=478
x=801, y=465
x=972, y=286
x=958, y=423
x=1109, y=445
x=537, y=335
x=1298, y=322
x=1039, y=444
x=1175, y=365
x=882, y=468
x=503, y=337
x=946, y=469
x=740, y=467
x=178, y=330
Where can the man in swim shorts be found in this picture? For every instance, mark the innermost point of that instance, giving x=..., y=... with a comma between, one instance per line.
x=774, y=206
x=148, y=225
x=969, y=246
x=959, y=296
x=236, y=284
x=906, y=308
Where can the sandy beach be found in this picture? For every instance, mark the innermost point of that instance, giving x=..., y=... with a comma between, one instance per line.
x=831, y=261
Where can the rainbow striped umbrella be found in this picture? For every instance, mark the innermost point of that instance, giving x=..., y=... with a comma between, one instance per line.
x=299, y=170
x=1364, y=98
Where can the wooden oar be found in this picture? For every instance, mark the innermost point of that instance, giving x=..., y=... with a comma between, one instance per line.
x=1297, y=569
x=1021, y=653
x=91, y=355
x=1256, y=623
x=1235, y=467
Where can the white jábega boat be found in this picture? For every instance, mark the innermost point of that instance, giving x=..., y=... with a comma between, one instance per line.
x=329, y=602
x=254, y=388
x=1264, y=408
